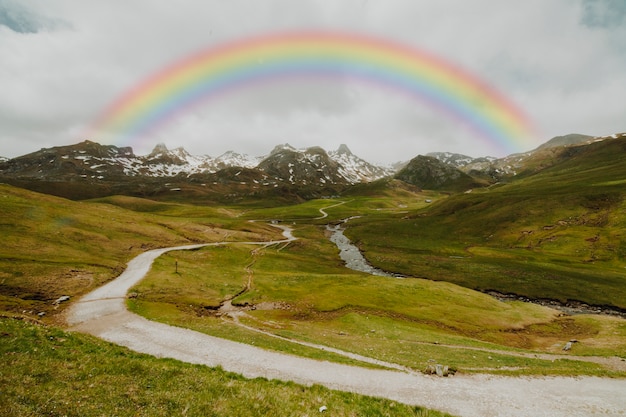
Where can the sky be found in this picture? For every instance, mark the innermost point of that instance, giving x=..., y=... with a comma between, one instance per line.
x=562, y=62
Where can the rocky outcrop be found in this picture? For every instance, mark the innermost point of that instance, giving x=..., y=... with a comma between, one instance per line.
x=309, y=167
x=430, y=173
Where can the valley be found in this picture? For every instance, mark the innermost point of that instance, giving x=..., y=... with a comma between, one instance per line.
x=552, y=232
x=102, y=313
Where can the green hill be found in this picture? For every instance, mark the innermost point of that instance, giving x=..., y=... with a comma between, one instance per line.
x=52, y=247
x=556, y=234
x=429, y=173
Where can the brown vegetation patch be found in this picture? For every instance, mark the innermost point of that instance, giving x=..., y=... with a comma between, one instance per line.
x=550, y=334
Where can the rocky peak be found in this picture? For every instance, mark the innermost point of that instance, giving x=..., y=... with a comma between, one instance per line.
x=343, y=150
x=234, y=159
x=355, y=169
x=93, y=149
x=159, y=149
x=160, y=154
x=428, y=172
x=281, y=148
x=455, y=159
x=311, y=166
x=180, y=152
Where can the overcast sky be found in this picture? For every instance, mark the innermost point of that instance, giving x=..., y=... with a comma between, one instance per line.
x=63, y=61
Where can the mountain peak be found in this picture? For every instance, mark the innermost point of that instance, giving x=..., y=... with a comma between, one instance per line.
x=159, y=148
x=343, y=150
x=429, y=172
x=283, y=147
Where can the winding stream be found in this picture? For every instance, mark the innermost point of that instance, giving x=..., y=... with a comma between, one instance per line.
x=354, y=260
x=351, y=254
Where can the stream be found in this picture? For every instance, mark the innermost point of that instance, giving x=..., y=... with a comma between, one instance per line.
x=351, y=255
x=355, y=260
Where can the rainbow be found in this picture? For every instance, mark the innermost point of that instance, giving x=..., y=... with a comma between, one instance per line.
x=218, y=70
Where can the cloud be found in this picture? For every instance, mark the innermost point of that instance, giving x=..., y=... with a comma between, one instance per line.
x=20, y=19
x=603, y=13
x=64, y=61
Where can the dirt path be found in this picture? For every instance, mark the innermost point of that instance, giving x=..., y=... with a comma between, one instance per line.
x=103, y=313
x=323, y=210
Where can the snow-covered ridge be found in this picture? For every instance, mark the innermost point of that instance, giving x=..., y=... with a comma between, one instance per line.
x=284, y=164
x=92, y=160
x=161, y=162
x=355, y=169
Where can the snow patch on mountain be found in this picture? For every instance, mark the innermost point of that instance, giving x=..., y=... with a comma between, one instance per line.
x=459, y=160
x=355, y=169
x=231, y=158
x=284, y=163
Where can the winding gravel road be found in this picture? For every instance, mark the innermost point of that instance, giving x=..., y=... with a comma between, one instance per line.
x=103, y=313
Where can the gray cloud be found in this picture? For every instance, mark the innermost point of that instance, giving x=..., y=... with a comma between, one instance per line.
x=20, y=19
x=604, y=13
x=561, y=61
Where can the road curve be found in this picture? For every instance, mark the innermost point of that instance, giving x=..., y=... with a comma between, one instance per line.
x=103, y=313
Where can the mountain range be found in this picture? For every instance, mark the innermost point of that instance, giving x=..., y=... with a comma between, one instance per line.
x=89, y=169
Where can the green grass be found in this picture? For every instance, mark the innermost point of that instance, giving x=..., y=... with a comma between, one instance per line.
x=417, y=346
x=198, y=320
x=53, y=247
x=47, y=371
x=555, y=234
x=397, y=320
x=543, y=236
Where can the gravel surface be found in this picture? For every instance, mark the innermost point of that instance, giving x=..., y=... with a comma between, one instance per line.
x=103, y=313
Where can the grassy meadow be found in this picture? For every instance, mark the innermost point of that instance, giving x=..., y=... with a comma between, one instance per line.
x=406, y=321
x=556, y=235
x=553, y=235
x=47, y=371
x=54, y=247
x=411, y=321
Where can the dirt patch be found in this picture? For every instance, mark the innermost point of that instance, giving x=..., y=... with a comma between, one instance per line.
x=228, y=307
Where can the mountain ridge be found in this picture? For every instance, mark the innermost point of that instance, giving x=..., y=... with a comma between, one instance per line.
x=89, y=169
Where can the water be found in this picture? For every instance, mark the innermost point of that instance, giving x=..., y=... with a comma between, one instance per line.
x=351, y=255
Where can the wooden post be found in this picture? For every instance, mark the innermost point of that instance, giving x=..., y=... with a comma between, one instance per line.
x=176, y=265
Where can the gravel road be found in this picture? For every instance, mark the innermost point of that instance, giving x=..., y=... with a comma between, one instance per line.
x=103, y=313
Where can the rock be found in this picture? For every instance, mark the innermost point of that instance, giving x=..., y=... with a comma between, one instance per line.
x=323, y=408
x=568, y=346
x=441, y=370
x=61, y=299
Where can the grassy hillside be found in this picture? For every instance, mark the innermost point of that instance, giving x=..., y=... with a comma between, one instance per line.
x=556, y=234
x=53, y=247
x=46, y=371
x=302, y=292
